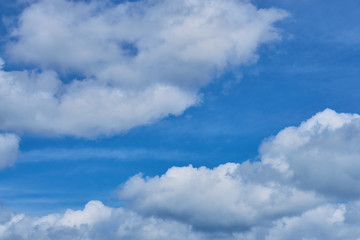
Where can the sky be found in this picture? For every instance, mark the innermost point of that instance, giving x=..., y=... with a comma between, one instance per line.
x=188, y=119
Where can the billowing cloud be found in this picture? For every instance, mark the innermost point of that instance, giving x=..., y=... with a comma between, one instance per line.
x=98, y=222
x=9, y=149
x=218, y=199
x=267, y=199
x=326, y=222
x=322, y=154
x=41, y=103
x=301, y=168
x=137, y=61
x=95, y=222
x=329, y=221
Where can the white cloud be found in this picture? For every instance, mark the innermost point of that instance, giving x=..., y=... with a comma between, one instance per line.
x=99, y=222
x=300, y=168
x=93, y=212
x=9, y=149
x=40, y=103
x=322, y=154
x=141, y=60
x=94, y=222
x=268, y=199
x=119, y=154
x=218, y=199
x=331, y=222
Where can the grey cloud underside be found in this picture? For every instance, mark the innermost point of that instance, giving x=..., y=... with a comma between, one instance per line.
x=218, y=199
x=141, y=61
x=98, y=222
x=271, y=199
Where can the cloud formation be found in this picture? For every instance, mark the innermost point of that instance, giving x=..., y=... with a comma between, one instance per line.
x=322, y=154
x=218, y=199
x=337, y=221
x=140, y=61
x=98, y=222
x=9, y=149
x=267, y=199
x=137, y=61
x=304, y=171
x=41, y=103
x=95, y=222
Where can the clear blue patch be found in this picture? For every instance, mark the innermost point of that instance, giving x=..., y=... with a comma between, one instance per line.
x=129, y=49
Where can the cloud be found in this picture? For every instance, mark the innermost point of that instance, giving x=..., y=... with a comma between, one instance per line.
x=137, y=61
x=9, y=149
x=216, y=199
x=301, y=168
x=95, y=221
x=122, y=154
x=322, y=154
x=329, y=221
x=267, y=199
x=99, y=222
x=41, y=103
x=326, y=222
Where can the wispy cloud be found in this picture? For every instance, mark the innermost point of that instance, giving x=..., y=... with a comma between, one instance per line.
x=9, y=149
x=66, y=154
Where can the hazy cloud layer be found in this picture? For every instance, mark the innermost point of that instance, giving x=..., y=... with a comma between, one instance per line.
x=138, y=61
x=9, y=149
x=271, y=199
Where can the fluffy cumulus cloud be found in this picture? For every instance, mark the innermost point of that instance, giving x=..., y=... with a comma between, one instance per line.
x=330, y=221
x=303, y=173
x=98, y=222
x=41, y=103
x=9, y=149
x=218, y=199
x=94, y=222
x=322, y=154
x=137, y=61
x=326, y=222
x=278, y=197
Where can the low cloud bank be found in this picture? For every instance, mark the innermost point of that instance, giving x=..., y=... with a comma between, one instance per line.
x=298, y=190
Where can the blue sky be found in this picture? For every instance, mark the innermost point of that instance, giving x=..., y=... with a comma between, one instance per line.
x=304, y=60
